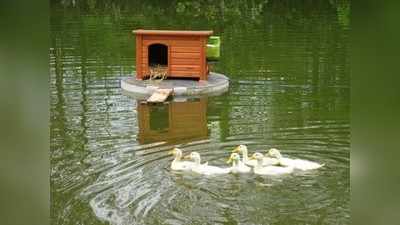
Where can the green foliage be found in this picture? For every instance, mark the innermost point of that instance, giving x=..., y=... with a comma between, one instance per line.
x=194, y=13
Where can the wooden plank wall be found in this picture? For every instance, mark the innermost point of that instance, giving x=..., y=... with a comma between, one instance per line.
x=186, y=55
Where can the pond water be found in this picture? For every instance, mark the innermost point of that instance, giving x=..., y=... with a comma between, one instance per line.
x=289, y=89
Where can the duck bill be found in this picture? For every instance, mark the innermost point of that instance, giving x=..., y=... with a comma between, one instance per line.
x=236, y=150
x=252, y=157
x=229, y=160
x=171, y=152
x=187, y=157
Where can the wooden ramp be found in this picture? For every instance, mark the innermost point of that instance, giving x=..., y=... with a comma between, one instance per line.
x=160, y=95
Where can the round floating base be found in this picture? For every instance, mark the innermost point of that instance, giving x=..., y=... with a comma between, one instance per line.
x=215, y=85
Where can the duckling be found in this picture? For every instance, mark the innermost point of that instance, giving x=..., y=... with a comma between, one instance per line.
x=265, y=161
x=158, y=71
x=205, y=169
x=268, y=170
x=300, y=164
x=237, y=165
x=177, y=164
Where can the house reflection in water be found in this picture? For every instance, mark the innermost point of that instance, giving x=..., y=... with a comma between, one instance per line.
x=173, y=122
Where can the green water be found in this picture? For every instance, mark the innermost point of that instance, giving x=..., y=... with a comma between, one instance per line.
x=289, y=89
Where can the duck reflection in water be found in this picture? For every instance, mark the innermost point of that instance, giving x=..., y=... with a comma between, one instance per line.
x=173, y=122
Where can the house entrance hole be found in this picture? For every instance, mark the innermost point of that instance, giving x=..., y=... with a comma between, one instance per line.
x=158, y=55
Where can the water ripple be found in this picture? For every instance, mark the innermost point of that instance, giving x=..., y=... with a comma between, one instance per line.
x=289, y=89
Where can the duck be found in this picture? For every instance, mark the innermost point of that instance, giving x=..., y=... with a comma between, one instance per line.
x=237, y=165
x=205, y=169
x=252, y=162
x=268, y=170
x=177, y=163
x=299, y=164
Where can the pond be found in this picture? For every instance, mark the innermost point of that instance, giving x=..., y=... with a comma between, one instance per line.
x=288, y=65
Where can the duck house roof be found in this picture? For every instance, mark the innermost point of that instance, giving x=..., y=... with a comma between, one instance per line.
x=174, y=32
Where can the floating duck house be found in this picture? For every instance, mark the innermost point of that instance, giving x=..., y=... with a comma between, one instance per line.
x=182, y=54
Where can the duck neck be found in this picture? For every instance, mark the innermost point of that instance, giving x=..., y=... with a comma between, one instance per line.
x=177, y=158
x=280, y=161
x=235, y=163
x=258, y=164
x=278, y=155
x=245, y=156
x=279, y=158
x=197, y=161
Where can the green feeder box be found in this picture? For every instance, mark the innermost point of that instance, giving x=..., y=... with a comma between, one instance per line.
x=213, y=46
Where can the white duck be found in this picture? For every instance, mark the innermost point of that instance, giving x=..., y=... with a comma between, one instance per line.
x=268, y=170
x=266, y=161
x=300, y=164
x=205, y=169
x=177, y=163
x=237, y=165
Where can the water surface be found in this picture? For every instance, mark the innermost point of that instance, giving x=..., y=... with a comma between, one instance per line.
x=288, y=65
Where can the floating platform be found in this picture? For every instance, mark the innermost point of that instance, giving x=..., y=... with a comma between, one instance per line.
x=141, y=89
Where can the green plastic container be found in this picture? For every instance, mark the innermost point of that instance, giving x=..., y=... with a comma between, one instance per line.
x=213, y=46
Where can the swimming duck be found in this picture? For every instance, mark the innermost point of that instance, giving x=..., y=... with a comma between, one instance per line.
x=237, y=165
x=300, y=164
x=268, y=170
x=252, y=162
x=177, y=163
x=205, y=169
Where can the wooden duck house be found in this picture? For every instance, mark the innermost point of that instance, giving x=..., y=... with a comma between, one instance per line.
x=183, y=54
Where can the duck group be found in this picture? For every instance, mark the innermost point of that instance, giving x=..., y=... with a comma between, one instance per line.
x=271, y=163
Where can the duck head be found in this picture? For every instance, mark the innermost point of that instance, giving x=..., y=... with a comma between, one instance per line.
x=235, y=157
x=240, y=149
x=274, y=153
x=257, y=156
x=176, y=152
x=195, y=156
